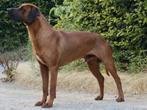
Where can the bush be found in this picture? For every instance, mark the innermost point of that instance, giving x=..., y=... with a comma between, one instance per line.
x=138, y=62
x=9, y=61
x=122, y=22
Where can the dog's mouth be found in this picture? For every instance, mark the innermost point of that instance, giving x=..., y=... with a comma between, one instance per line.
x=13, y=13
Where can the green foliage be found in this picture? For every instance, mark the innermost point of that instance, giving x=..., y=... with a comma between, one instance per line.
x=138, y=63
x=122, y=22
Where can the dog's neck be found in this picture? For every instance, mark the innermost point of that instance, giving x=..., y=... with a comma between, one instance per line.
x=39, y=25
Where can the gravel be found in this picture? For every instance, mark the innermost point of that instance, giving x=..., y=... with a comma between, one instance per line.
x=14, y=97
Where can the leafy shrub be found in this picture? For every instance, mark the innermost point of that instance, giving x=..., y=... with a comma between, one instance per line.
x=138, y=63
x=122, y=22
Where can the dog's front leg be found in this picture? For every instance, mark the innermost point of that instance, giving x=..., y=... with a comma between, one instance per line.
x=45, y=78
x=53, y=83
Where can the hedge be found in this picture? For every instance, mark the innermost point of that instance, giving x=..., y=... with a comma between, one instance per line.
x=122, y=22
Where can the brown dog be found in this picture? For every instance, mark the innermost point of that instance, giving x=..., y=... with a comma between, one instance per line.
x=55, y=48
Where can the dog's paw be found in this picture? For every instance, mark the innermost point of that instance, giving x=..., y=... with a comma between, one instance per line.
x=120, y=99
x=99, y=98
x=39, y=103
x=47, y=105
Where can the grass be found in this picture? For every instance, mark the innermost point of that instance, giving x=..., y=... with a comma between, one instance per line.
x=74, y=80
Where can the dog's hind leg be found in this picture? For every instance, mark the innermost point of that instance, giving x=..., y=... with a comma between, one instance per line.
x=111, y=68
x=93, y=65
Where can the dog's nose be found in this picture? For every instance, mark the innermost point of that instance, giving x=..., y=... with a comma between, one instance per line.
x=8, y=9
x=14, y=14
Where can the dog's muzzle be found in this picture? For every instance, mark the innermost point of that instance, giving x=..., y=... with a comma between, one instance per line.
x=14, y=14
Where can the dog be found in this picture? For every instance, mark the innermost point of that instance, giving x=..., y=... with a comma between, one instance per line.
x=55, y=48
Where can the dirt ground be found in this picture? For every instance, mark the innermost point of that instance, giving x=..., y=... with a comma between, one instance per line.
x=14, y=97
x=75, y=91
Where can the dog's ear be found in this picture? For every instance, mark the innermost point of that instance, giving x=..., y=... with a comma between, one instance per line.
x=34, y=12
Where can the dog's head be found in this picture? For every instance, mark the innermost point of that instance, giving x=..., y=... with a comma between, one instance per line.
x=26, y=13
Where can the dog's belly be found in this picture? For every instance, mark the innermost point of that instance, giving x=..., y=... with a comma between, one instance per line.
x=74, y=56
x=68, y=60
x=75, y=52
